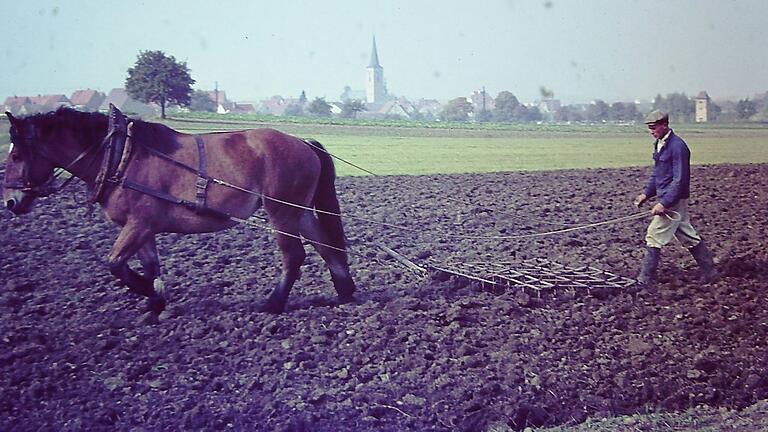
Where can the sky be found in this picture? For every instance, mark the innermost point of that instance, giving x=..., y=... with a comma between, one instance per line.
x=581, y=50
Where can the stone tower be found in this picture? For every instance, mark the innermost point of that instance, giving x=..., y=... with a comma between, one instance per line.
x=375, y=92
x=703, y=113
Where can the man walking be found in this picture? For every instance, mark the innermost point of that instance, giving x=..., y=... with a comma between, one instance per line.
x=670, y=184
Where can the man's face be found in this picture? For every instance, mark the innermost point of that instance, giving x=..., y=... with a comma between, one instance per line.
x=658, y=129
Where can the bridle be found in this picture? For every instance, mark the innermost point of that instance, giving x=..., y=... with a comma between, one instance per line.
x=48, y=186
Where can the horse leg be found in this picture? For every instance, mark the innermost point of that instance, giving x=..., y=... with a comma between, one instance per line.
x=130, y=240
x=150, y=264
x=336, y=259
x=293, y=257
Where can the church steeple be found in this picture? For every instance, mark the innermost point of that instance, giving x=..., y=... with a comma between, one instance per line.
x=375, y=91
x=374, y=63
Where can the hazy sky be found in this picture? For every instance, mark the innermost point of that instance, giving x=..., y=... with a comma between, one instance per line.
x=615, y=50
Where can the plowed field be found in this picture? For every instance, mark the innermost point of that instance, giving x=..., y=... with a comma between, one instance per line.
x=415, y=352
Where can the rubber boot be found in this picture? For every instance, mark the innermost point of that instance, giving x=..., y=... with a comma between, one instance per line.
x=704, y=259
x=647, y=276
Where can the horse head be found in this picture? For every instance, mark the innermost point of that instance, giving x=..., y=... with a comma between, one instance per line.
x=28, y=173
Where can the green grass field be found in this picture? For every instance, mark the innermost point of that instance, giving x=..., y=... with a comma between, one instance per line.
x=398, y=148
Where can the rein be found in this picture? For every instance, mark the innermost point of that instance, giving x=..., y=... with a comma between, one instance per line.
x=208, y=179
x=203, y=180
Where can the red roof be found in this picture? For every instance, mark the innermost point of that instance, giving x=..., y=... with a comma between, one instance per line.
x=82, y=97
x=52, y=100
x=13, y=101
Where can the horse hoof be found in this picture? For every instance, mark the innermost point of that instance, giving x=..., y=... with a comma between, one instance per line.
x=271, y=307
x=156, y=304
x=347, y=298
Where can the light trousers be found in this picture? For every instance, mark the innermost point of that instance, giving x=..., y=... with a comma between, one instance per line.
x=663, y=228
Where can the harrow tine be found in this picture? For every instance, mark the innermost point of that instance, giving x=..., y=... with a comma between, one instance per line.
x=540, y=275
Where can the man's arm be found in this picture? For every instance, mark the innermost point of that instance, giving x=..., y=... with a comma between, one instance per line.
x=649, y=191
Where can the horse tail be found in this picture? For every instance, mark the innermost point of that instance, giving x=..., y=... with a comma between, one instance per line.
x=326, y=199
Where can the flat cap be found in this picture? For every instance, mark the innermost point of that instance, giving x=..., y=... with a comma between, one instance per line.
x=656, y=116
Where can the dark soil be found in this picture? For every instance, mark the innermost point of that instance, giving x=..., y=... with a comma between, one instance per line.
x=415, y=353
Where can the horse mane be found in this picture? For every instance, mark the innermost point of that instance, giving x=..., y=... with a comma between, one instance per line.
x=92, y=126
x=155, y=136
x=88, y=125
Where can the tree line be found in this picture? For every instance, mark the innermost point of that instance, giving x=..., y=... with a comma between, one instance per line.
x=162, y=79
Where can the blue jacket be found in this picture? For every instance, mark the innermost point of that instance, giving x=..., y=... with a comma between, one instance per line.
x=671, y=178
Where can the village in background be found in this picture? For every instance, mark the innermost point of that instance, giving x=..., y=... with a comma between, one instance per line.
x=375, y=102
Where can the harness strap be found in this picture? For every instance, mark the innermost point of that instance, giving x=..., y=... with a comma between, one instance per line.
x=201, y=184
x=174, y=200
x=127, y=148
x=114, y=150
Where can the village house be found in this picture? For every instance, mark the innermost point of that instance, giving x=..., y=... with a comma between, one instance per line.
x=276, y=105
x=242, y=108
x=119, y=98
x=87, y=100
x=25, y=105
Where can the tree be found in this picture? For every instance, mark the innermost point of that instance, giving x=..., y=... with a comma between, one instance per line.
x=351, y=108
x=620, y=111
x=745, y=109
x=659, y=103
x=528, y=114
x=524, y=114
x=714, y=110
x=598, y=111
x=346, y=95
x=680, y=107
x=568, y=113
x=159, y=78
x=319, y=107
x=457, y=110
x=294, y=110
x=483, y=116
x=506, y=105
x=201, y=101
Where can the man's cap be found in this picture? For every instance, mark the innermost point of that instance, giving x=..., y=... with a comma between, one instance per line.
x=656, y=116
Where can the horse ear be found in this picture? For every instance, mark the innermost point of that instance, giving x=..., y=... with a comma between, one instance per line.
x=10, y=116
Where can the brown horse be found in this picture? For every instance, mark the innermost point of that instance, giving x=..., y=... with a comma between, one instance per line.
x=150, y=179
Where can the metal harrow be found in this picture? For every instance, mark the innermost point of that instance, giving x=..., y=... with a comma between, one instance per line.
x=537, y=277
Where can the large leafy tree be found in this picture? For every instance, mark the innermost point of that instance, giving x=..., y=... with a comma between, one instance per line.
x=568, y=113
x=161, y=79
x=319, y=107
x=598, y=111
x=745, y=109
x=457, y=110
x=620, y=111
x=527, y=114
x=679, y=106
x=506, y=107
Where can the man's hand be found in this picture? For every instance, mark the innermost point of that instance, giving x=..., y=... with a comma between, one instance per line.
x=640, y=199
x=658, y=209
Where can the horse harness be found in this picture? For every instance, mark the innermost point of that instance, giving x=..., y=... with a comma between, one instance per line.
x=118, y=146
x=48, y=186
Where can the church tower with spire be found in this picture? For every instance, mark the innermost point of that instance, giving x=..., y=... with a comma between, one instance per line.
x=375, y=91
